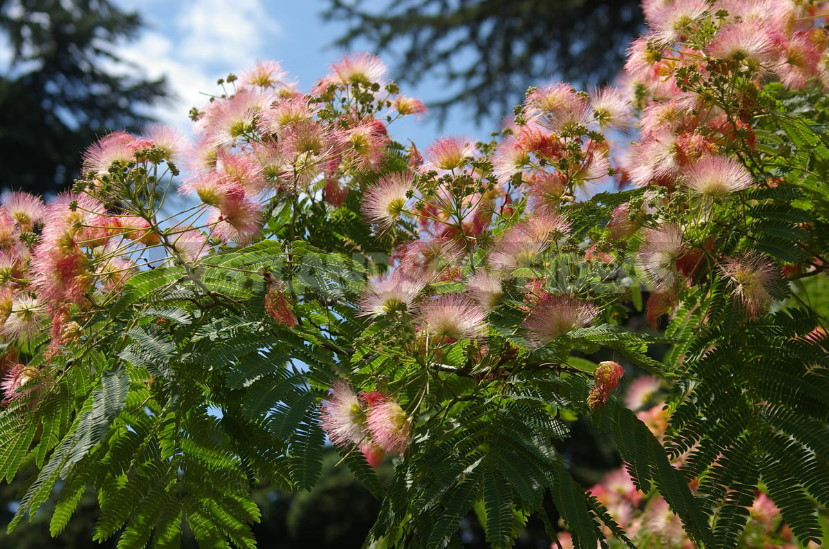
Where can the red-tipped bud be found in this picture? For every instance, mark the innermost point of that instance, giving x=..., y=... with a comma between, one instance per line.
x=607, y=376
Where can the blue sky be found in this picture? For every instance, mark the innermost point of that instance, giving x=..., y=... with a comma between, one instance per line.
x=195, y=42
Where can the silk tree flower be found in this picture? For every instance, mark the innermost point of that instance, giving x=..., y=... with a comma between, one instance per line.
x=115, y=147
x=240, y=168
x=521, y=243
x=389, y=293
x=448, y=153
x=265, y=74
x=408, y=105
x=169, y=139
x=229, y=119
x=672, y=22
x=386, y=201
x=658, y=254
x=16, y=377
x=453, y=316
x=388, y=424
x=26, y=209
x=799, y=60
x=641, y=391
x=557, y=106
x=485, y=289
x=748, y=41
x=752, y=278
x=611, y=109
x=25, y=319
x=510, y=157
x=555, y=315
x=716, y=176
x=237, y=222
x=373, y=454
x=357, y=68
x=342, y=416
x=366, y=144
x=190, y=244
x=285, y=113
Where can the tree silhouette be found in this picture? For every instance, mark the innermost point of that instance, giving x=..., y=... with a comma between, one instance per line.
x=65, y=87
x=487, y=52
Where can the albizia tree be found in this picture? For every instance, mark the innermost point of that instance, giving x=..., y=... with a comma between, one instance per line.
x=438, y=309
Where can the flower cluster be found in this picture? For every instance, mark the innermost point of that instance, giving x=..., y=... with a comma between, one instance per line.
x=373, y=421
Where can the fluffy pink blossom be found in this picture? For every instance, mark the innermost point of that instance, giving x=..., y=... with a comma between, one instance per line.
x=242, y=169
x=115, y=147
x=716, y=176
x=799, y=60
x=510, y=157
x=342, y=417
x=16, y=377
x=24, y=208
x=486, y=289
x=448, y=153
x=557, y=106
x=672, y=22
x=169, y=139
x=229, y=119
x=752, y=278
x=373, y=454
x=555, y=315
x=389, y=293
x=745, y=40
x=408, y=105
x=611, y=109
x=265, y=74
x=658, y=254
x=25, y=319
x=454, y=316
x=387, y=422
x=357, y=68
x=641, y=391
x=285, y=113
x=521, y=243
x=191, y=244
x=425, y=258
x=366, y=143
x=384, y=203
x=236, y=221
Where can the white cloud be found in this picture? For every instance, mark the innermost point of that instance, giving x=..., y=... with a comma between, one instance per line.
x=221, y=32
x=204, y=40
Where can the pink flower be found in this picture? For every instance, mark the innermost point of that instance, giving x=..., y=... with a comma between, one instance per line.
x=555, y=315
x=357, y=68
x=191, y=244
x=242, y=169
x=387, y=422
x=408, y=105
x=453, y=316
x=389, y=293
x=373, y=454
x=620, y=225
x=641, y=391
x=658, y=254
x=611, y=109
x=385, y=202
x=367, y=142
x=485, y=289
x=24, y=208
x=15, y=378
x=237, y=221
x=799, y=60
x=557, y=107
x=115, y=147
x=342, y=416
x=752, y=278
x=448, y=153
x=286, y=113
x=745, y=40
x=169, y=139
x=510, y=157
x=607, y=375
x=227, y=120
x=674, y=21
x=265, y=74
x=523, y=242
x=716, y=176
x=277, y=303
x=25, y=319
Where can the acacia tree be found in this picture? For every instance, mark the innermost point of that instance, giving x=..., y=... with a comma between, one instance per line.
x=437, y=310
